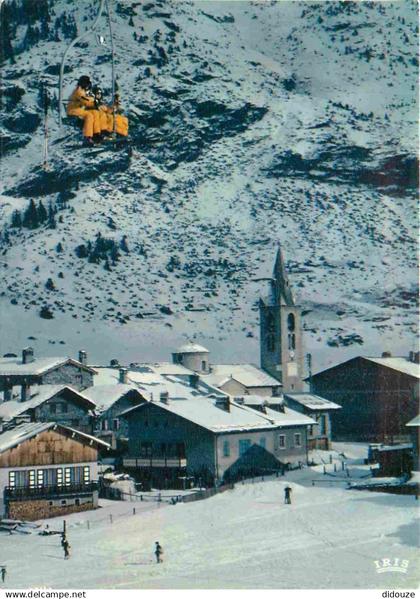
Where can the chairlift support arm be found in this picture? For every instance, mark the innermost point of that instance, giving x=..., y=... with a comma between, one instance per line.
x=103, y=3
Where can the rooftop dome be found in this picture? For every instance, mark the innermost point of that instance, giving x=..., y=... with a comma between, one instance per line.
x=191, y=348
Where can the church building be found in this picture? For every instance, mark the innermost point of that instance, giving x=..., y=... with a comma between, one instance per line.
x=281, y=350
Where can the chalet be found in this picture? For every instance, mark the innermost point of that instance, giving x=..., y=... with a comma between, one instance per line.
x=30, y=370
x=51, y=403
x=378, y=396
x=110, y=400
x=46, y=470
x=181, y=430
x=414, y=431
x=320, y=410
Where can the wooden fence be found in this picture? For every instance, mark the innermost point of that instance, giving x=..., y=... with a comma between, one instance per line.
x=207, y=493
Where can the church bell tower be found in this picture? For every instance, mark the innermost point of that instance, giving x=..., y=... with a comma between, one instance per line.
x=280, y=331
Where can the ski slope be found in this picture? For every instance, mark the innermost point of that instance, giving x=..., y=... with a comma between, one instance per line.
x=246, y=538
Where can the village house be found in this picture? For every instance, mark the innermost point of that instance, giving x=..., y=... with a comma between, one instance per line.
x=51, y=403
x=378, y=396
x=320, y=410
x=190, y=430
x=414, y=432
x=112, y=394
x=47, y=470
x=30, y=370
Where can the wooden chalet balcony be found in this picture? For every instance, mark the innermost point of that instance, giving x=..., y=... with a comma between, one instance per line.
x=50, y=492
x=155, y=462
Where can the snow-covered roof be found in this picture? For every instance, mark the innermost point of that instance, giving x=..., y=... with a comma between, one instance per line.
x=104, y=396
x=312, y=402
x=399, y=447
x=258, y=400
x=15, y=366
x=401, y=364
x=191, y=348
x=245, y=374
x=167, y=368
x=12, y=408
x=27, y=430
x=202, y=410
x=414, y=422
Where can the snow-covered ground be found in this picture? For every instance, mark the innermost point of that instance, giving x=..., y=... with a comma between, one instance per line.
x=329, y=537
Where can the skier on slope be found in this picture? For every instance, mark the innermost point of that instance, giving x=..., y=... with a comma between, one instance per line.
x=66, y=546
x=158, y=552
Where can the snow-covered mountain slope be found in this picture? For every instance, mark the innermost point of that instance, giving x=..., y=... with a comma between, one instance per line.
x=251, y=123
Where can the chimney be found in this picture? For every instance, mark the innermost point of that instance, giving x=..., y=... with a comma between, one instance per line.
x=164, y=396
x=83, y=357
x=27, y=355
x=123, y=376
x=386, y=354
x=223, y=403
x=25, y=392
x=193, y=380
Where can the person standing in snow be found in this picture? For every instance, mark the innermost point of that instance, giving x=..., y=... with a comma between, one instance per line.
x=158, y=552
x=66, y=546
x=3, y=573
x=287, y=498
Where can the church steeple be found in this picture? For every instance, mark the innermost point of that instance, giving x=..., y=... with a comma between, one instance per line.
x=283, y=292
x=280, y=330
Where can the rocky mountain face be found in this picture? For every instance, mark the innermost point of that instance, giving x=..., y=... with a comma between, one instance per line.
x=251, y=123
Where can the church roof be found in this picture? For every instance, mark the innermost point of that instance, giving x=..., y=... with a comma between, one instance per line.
x=281, y=282
x=278, y=290
x=191, y=348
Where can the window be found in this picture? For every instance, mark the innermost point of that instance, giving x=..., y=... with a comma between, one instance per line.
x=31, y=479
x=86, y=474
x=178, y=358
x=145, y=450
x=291, y=322
x=59, y=476
x=116, y=424
x=271, y=342
x=282, y=441
x=104, y=425
x=292, y=341
x=244, y=445
x=226, y=449
x=77, y=501
x=67, y=476
x=262, y=442
x=12, y=479
x=270, y=323
x=311, y=430
x=298, y=440
x=63, y=502
x=322, y=425
x=53, y=408
x=203, y=365
x=40, y=478
x=79, y=378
